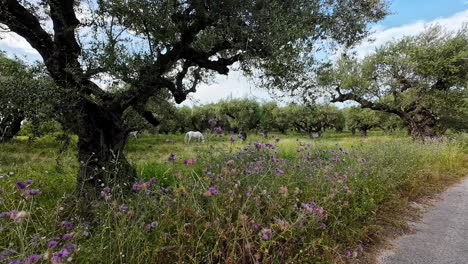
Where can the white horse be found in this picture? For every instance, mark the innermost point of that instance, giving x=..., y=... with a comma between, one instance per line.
x=194, y=134
x=134, y=133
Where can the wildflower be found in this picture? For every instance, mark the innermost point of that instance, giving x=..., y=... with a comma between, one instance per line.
x=152, y=180
x=279, y=171
x=4, y=214
x=29, y=181
x=172, y=157
x=2, y=190
x=232, y=138
x=107, y=189
x=136, y=187
x=266, y=233
x=148, y=227
x=32, y=192
x=69, y=247
x=123, y=208
x=336, y=159
x=52, y=244
x=277, y=139
x=33, y=258
x=85, y=233
x=307, y=207
x=67, y=237
x=300, y=150
x=218, y=129
x=6, y=253
x=20, y=185
x=67, y=225
x=362, y=160
x=348, y=253
x=323, y=225
x=60, y=256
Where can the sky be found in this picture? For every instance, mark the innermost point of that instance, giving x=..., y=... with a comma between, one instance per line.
x=408, y=17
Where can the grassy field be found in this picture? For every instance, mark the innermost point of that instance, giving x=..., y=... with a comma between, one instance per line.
x=285, y=200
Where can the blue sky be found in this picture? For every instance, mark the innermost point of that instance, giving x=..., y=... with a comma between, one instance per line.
x=410, y=11
x=409, y=17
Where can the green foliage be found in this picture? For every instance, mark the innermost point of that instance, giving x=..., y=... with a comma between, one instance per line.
x=361, y=119
x=421, y=78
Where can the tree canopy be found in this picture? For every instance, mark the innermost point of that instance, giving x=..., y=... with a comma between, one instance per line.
x=422, y=79
x=149, y=47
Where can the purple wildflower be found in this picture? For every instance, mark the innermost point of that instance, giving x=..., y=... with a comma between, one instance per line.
x=336, y=159
x=266, y=233
x=29, y=181
x=148, y=227
x=277, y=139
x=67, y=225
x=152, y=180
x=67, y=237
x=323, y=225
x=213, y=190
x=136, y=187
x=20, y=185
x=232, y=138
x=279, y=171
x=4, y=214
x=123, y=208
x=69, y=247
x=34, y=258
x=348, y=253
x=172, y=157
x=2, y=190
x=60, y=256
x=33, y=192
x=52, y=244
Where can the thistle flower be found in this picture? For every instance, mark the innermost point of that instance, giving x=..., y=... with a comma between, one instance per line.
x=69, y=247
x=33, y=192
x=277, y=139
x=60, y=256
x=266, y=233
x=33, y=258
x=279, y=171
x=52, y=244
x=20, y=185
x=171, y=157
x=67, y=237
x=67, y=225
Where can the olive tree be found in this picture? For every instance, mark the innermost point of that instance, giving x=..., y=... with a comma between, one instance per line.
x=421, y=79
x=172, y=45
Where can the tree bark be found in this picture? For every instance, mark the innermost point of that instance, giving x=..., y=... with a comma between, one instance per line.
x=421, y=124
x=102, y=139
x=363, y=132
x=9, y=127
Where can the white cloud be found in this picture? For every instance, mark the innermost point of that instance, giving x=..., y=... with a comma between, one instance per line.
x=14, y=41
x=383, y=35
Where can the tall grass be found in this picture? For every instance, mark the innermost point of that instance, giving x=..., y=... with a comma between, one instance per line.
x=292, y=201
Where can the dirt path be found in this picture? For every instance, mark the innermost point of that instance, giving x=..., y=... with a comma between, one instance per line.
x=441, y=236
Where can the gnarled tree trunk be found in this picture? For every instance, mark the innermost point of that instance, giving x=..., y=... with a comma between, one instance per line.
x=10, y=126
x=102, y=139
x=421, y=124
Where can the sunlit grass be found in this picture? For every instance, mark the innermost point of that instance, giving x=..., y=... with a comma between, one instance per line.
x=258, y=214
